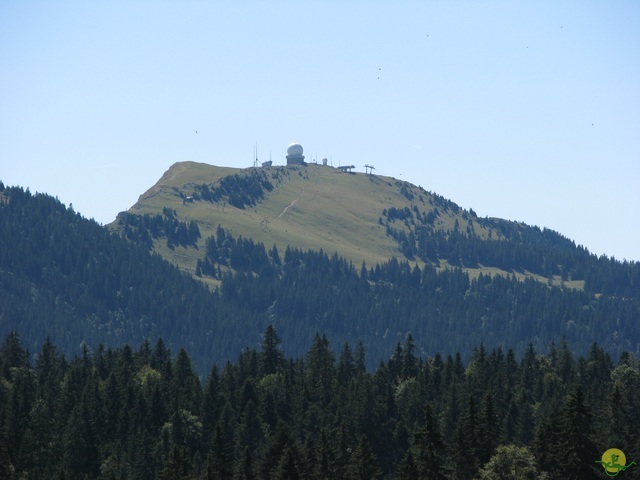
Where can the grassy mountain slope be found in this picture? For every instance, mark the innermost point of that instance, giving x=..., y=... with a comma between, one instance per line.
x=314, y=207
x=310, y=207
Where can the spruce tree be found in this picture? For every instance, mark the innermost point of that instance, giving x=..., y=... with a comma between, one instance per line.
x=249, y=432
x=244, y=467
x=546, y=441
x=143, y=466
x=428, y=447
x=616, y=423
x=409, y=361
x=320, y=372
x=36, y=450
x=177, y=465
x=407, y=469
x=346, y=365
x=12, y=355
x=219, y=459
x=288, y=467
x=461, y=460
x=18, y=406
x=577, y=447
x=276, y=445
x=488, y=433
x=271, y=357
x=323, y=460
x=81, y=455
x=363, y=464
x=211, y=403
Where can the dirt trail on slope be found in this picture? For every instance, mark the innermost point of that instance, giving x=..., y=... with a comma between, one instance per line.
x=291, y=204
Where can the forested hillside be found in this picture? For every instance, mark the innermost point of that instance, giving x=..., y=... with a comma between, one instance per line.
x=517, y=248
x=360, y=217
x=143, y=413
x=67, y=278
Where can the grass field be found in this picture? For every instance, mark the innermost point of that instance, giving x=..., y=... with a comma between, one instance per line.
x=311, y=207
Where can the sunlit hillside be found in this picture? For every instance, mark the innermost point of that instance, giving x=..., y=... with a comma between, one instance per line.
x=314, y=207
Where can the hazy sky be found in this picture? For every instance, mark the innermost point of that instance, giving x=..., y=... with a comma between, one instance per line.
x=524, y=110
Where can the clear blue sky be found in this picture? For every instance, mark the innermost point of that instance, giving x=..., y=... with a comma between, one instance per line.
x=524, y=110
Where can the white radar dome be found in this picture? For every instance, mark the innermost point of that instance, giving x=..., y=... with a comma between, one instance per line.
x=294, y=149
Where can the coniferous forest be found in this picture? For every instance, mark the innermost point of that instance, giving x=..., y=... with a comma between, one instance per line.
x=143, y=413
x=67, y=278
x=299, y=364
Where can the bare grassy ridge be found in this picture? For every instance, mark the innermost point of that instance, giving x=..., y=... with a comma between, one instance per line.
x=311, y=207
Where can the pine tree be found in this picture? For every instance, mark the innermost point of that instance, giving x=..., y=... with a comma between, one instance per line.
x=617, y=423
x=81, y=454
x=324, y=455
x=346, y=365
x=19, y=401
x=244, y=467
x=12, y=355
x=577, y=446
x=219, y=459
x=275, y=256
x=407, y=470
x=409, y=361
x=211, y=403
x=525, y=423
x=546, y=441
x=271, y=357
x=36, y=449
x=177, y=466
x=395, y=363
x=276, y=445
x=463, y=451
x=363, y=464
x=488, y=430
x=428, y=447
x=342, y=452
x=6, y=466
x=249, y=431
x=360, y=358
x=48, y=374
x=143, y=466
x=185, y=386
x=320, y=371
x=288, y=466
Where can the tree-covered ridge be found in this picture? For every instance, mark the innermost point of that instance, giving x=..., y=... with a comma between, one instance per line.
x=145, y=413
x=442, y=309
x=146, y=228
x=382, y=211
x=425, y=226
x=516, y=247
x=239, y=190
x=66, y=277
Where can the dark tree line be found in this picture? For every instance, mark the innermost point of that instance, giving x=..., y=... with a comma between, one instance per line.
x=241, y=254
x=144, y=229
x=442, y=309
x=145, y=413
x=239, y=190
x=518, y=247
x=67, y=277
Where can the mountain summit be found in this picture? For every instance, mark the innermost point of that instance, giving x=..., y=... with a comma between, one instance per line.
x=361, y=217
